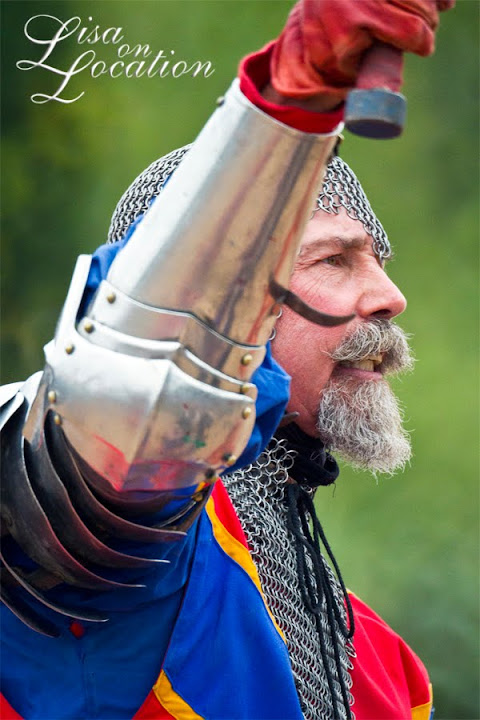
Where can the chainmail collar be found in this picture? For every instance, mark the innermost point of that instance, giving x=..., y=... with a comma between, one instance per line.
x=312, y=463
x=307, y=600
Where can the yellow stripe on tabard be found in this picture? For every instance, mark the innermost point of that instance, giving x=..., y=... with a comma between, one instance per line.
x=172, y=702
x=422, y=712
x=238, y=552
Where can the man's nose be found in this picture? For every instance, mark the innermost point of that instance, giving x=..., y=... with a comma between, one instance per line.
x=381, y=297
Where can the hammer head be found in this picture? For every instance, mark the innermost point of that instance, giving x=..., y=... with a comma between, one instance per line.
x=375, y=113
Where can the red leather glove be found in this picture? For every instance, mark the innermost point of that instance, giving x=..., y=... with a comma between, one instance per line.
x=320, y=50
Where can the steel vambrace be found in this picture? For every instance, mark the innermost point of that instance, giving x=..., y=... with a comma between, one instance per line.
x=146, y=396
x=152, y=386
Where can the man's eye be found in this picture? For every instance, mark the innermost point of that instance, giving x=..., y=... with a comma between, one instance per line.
x=333, y=260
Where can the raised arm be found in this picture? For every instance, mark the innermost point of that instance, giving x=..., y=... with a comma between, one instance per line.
x=146, y=395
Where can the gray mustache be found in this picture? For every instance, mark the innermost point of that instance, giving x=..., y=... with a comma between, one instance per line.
x=373, y=338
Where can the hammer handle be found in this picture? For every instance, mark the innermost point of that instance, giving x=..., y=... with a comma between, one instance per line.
x=376, y=109
x=381, y=68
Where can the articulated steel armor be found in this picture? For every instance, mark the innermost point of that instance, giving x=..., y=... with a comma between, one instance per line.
x=146, y=394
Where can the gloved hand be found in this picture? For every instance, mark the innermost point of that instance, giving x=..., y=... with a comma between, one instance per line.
x=321, y=48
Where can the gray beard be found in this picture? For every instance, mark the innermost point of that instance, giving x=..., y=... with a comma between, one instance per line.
x=363, y=420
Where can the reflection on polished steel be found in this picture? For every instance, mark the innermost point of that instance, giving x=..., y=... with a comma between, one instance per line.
x=229, y=219
x=143, y=414
x=149, y=323
x=152, y=382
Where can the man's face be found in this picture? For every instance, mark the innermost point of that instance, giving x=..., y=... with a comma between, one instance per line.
x=337, y=272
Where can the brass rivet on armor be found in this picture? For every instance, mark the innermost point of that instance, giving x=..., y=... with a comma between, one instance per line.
x=245, y=387
x=230, y=459
x=69, y=348
x=220, y=100
x=52, y=396
x=246, y=412
x=88, y=326
x=111, y=297
x=247, y=359
x=57, y=419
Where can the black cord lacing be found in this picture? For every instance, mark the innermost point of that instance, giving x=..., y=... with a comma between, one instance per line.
x=316, y=587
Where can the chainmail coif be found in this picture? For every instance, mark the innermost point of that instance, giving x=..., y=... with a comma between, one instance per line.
x=341, y=189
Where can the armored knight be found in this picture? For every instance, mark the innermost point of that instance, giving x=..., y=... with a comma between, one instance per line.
x=134, y=581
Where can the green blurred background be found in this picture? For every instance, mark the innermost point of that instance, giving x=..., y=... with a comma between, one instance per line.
x=407, y=545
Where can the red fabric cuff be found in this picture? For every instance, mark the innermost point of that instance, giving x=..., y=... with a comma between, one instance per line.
x=254, y=74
